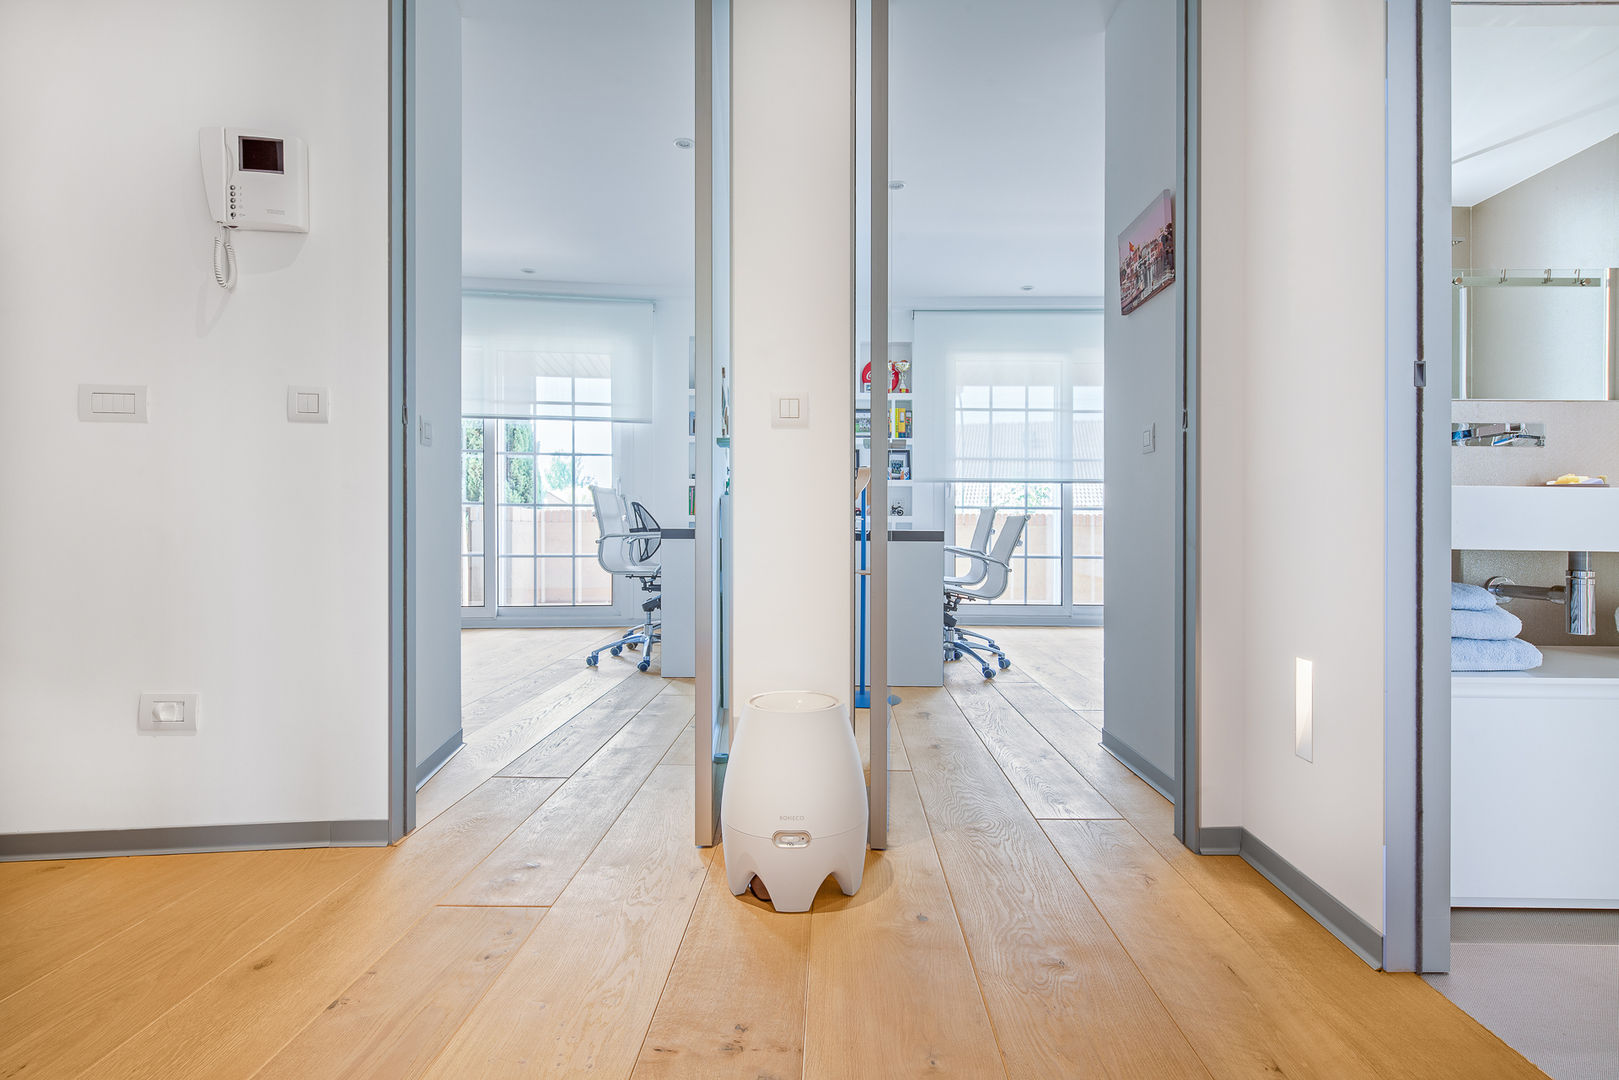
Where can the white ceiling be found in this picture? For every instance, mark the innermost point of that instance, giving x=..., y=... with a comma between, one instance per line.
x=571, y=109
x=1531, y=85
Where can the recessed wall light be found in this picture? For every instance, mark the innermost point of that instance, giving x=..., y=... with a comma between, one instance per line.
x=528, y=269
x=896, y=185
x=684, y=144
x=1027, y=288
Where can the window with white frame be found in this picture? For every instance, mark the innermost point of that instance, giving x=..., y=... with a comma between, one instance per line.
x=542, y=405
x=1025, y=396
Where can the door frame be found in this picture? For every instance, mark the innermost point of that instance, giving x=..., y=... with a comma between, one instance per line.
x=401, y=385
x=1416, y=932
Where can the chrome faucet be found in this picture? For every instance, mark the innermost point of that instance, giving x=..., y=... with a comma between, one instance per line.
x=1578, y=593
x=1497, y=433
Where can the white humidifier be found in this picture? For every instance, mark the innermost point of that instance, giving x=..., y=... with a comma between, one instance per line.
x=794, y=808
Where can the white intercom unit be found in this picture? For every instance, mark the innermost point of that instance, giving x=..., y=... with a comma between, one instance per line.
x=255, y=180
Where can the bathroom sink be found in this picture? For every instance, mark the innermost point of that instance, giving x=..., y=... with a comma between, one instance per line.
x=1489, y=518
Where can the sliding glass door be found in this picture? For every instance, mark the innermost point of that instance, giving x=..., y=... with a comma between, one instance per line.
x=553, y=388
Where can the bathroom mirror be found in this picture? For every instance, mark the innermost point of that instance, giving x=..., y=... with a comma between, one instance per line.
x=1534, y=334
x=1534, y=190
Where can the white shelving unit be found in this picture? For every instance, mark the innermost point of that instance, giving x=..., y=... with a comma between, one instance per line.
x=902, y=511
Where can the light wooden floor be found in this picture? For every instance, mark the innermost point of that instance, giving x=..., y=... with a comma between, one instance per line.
x=1034, y=917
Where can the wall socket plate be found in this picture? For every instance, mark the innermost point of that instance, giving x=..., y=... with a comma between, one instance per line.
x=167, y=714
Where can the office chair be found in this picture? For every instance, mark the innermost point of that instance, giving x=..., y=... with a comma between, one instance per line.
x=975, y=550
x=998, y=572
x=628, y=548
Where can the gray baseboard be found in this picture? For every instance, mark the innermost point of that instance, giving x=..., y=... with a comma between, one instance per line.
x=1128, y=756
x=1220, y=840
x=438, y=758
x=1344, y=924
x=16, y=847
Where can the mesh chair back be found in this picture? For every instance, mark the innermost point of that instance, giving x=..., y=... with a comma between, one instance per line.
x=1006, y=541
x=644, y=550
x=981, y=529
x=612, y=520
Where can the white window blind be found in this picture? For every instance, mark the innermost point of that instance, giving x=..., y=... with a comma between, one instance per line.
x=517, y=353
x=1008, y=395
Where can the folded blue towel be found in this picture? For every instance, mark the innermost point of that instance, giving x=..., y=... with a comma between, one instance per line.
x=1513, y=654
x=1470, y=597
x=1496, y=624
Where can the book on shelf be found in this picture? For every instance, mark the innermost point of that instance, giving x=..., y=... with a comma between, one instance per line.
x=900, y=428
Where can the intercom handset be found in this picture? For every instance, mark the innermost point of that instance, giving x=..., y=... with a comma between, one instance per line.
x=255, y=180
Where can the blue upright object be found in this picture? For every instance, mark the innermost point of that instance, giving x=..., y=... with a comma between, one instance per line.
x=862, y=694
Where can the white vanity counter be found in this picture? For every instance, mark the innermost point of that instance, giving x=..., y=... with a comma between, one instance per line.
x=1535, y=783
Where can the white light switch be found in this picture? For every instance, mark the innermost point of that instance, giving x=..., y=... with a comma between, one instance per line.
x=790, y=409
x=113, y=404
x=1149, y=438
x=308, y=404
x=167, y=714
x=427, y=431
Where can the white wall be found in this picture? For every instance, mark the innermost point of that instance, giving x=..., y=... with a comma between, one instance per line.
x=1293, y=121
x=435, y=290
x=791, y=331
x=217, y=548
x=1139, y=392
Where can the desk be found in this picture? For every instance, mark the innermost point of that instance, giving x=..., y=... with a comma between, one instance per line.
x=915, y=608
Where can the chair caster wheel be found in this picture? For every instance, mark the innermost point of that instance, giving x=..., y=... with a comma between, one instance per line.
x=617, y=649
x=1003, y=663
x=591, y=660
x=643, y=665
x=632, y=646
x=989, y=672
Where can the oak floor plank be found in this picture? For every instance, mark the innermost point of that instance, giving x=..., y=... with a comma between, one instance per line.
x=492, y=658
x=734, y=1003
x=571, y=745
x=684, y=749
x=1080, y=743
x=45, y=931
x=1406, y=1028
x=1049, y=785
x=578, y=997
x=1063, y=994
x=873, y=956
x=1243, y=1017
x=1067, y=662
x=502, y=741
x=479, y=713
x=535, y=863
x=62, y=1023
x=392, y=1021
x=28, y=881
x=242, y=1017
x=898, y=761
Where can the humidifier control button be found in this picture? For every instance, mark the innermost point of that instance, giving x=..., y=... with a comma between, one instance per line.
x=794, y=839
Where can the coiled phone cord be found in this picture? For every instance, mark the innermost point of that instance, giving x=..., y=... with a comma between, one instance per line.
x=224, y=269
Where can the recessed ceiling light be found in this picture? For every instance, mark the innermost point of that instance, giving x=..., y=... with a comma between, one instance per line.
x=684, y=144
x=1027, y=288
x=528, y=269
x=896, y=185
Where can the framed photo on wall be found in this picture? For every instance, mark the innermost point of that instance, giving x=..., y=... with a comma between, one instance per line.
x=899, y=464
x=1147, y=254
